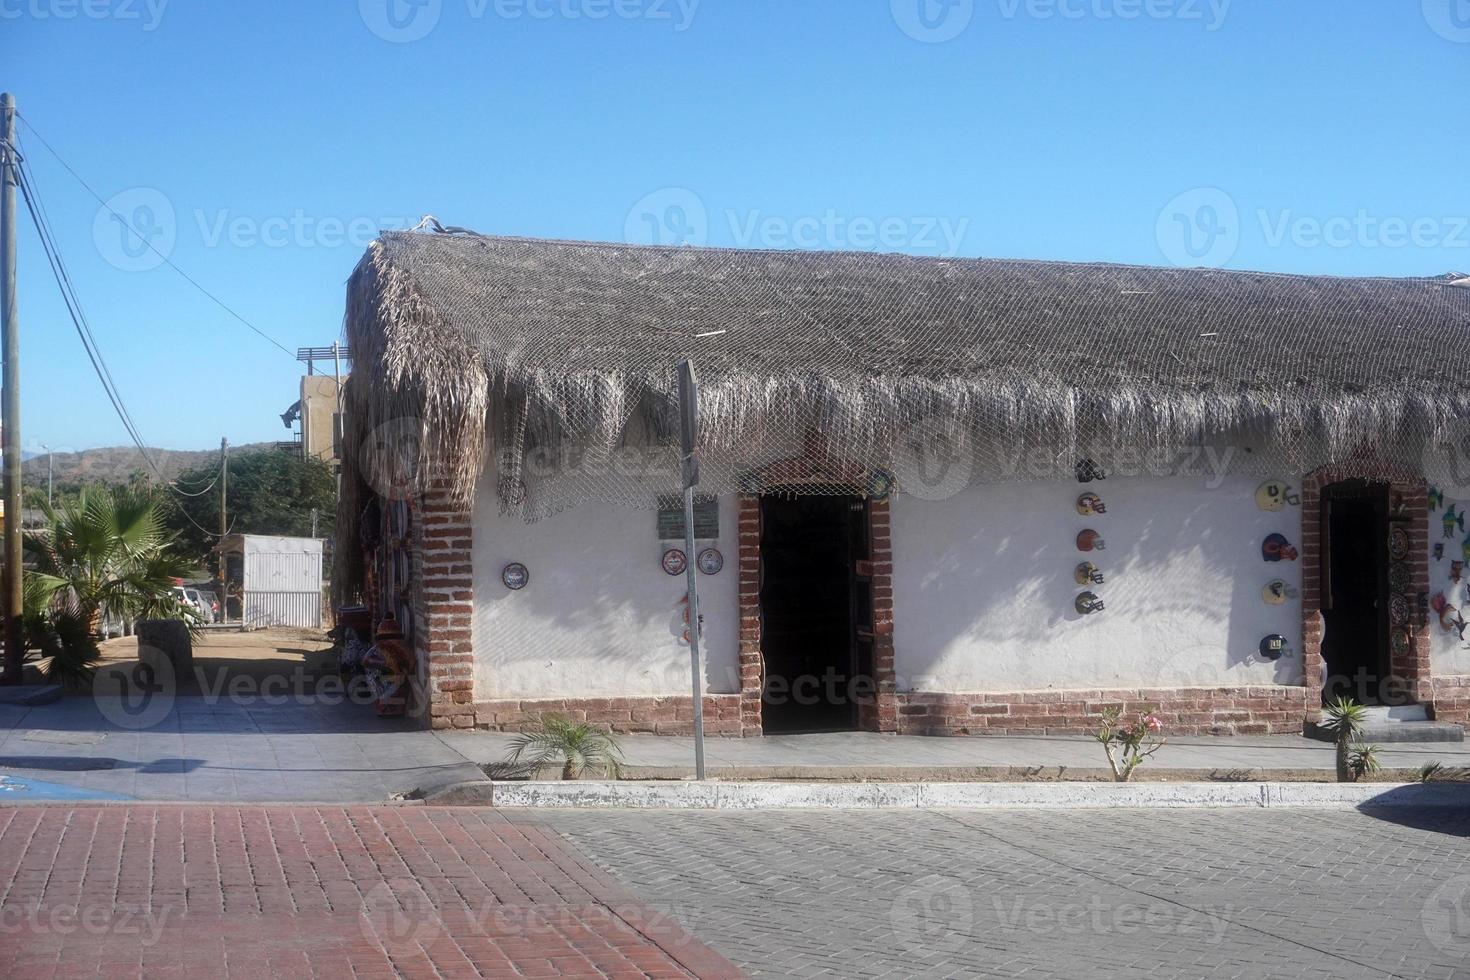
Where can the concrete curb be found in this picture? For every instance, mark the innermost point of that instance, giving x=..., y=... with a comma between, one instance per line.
x=763, y=796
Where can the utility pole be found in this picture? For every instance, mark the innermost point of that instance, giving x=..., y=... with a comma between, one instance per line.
x=224, y=483
x=10, y=378
x=48, y=473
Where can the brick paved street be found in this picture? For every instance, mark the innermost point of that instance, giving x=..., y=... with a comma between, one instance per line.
x=192, y=891
x=1102, y=893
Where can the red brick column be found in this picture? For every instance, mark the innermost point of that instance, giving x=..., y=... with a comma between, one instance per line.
x=444, y=610
x=752, y=665
x=880, y=543
x=1407, y=498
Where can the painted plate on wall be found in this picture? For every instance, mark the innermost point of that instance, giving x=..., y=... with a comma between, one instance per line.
x=1400, y=640
x=710, y=561
x=674, y=562
x=1400, y=577
x=1398, y=608
x=1398, y=544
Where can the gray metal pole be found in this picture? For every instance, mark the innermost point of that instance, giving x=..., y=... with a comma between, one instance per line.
x=696, y=667
x=689, y=476
x=10, y=378
x=224, y=482
x=49, y=482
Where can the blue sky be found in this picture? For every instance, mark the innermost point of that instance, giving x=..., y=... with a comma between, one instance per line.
x=1310, y=136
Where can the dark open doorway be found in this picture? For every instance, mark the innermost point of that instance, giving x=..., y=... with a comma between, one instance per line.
x=1355, y=591
x=816, y=611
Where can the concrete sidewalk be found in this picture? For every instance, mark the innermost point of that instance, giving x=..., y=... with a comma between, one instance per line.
x=324, y=750
x=865, y=755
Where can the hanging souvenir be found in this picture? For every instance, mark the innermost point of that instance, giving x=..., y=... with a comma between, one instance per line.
x=1275, y=495
x=1089, y=504
x=1274, y=646
x=1451, y=520
x=674, y=561
x=1400, y=577
x=710, y=561
x=1436, y=498
x=1090, y=540
x=1465, y=549
x=1087, y=471
x=880, y=484
x=1446, y=612
x=1398, y=543
x=1398, y=608
x=1459, y=624
x=1277, y=548
x=1087, y=574
x=1439, y=551
x=1088, y=603
x=515, y=576
x=1276, y=592
x=1456, y=567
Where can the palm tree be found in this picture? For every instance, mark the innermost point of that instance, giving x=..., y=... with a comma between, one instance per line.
x=579, y=747
x=1346, y=717
x=106, y=547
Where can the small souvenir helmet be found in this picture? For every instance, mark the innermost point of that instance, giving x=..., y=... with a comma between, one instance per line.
x=1088, y=574
x=1088, y=470
x=1088, y=603
x=1090, y=540
x=1275, y=495
x=1277, y=548
x=1089, y=504
x=1274, y=646
x=1276, y=592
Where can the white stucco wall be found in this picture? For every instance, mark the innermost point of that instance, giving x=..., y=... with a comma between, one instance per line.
x=600, y=617
x=983, y=588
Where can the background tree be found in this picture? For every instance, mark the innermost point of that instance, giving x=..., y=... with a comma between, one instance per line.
x=270, y=492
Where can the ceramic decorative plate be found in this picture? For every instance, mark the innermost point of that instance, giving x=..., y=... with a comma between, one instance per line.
x=1398, y=543
x=674, y=562
x=710, y=561
x=1400, y=640
x=1400, y=577
x=1398, y=609
x=515, y=576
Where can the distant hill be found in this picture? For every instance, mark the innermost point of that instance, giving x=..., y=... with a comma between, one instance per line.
x=117, y=464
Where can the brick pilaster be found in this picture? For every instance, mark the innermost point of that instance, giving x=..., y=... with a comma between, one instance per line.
x=752, y=665
x=444, y=605
x=880, y=544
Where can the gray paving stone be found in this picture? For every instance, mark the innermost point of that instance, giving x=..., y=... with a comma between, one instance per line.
x=1105, y=893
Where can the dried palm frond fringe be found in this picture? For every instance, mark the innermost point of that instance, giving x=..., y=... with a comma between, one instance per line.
x=548, y=359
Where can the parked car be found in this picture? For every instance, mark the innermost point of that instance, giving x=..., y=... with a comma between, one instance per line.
x=189, y=603
x=206, y=603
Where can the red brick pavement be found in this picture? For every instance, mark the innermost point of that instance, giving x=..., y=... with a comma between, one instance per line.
x=304, y=891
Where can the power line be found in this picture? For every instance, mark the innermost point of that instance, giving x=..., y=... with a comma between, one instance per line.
x=74, y=309
x=167, y=261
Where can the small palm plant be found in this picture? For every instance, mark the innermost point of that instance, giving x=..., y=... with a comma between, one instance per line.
x=1363, y=760
x=579, y=747
x=1346, y=717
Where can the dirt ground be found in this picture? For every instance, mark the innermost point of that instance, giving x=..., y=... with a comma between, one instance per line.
x=287, y=651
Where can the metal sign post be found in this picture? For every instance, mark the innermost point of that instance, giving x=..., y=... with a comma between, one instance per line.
x=689, y=473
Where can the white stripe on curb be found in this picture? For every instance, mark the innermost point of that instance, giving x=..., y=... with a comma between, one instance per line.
x=764, y=795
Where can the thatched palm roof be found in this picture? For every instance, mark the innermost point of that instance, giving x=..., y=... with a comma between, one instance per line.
x=537, y=342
